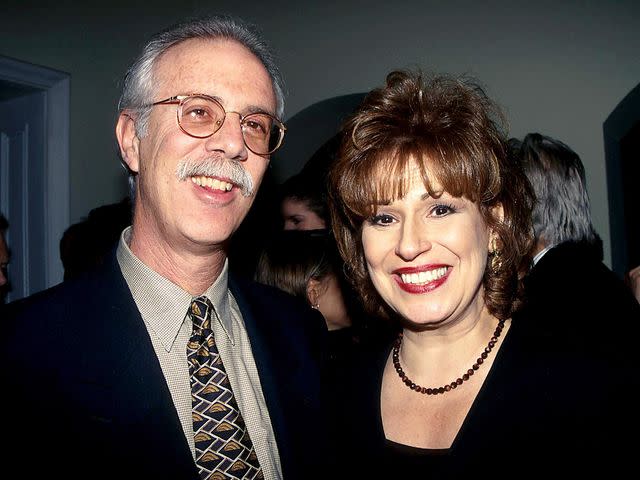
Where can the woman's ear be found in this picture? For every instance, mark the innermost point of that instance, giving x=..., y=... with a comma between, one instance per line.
x=128, y=141
x=313, y=292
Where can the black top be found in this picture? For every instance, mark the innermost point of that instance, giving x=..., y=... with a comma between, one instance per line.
x=544, y=407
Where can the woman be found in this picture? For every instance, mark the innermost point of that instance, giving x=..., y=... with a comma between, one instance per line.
x=433, y=221
x=307, y=264
x=303, y=205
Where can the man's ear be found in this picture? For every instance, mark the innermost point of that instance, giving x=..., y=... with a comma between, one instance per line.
x=128, y=141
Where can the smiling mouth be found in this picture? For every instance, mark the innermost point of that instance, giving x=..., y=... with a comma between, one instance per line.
x=422, y=278
x=212, y=183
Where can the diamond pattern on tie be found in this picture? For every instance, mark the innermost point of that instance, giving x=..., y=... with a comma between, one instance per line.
x=223, y=447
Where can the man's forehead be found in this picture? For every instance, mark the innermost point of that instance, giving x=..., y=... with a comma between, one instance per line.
x=203, y=61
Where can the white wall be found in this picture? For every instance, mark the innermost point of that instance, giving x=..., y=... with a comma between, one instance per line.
x=556, y=67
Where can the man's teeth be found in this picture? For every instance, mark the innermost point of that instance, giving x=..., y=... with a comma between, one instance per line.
x=423, y=277
x=212, y=183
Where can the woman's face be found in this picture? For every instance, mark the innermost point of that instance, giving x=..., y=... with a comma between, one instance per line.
x=298, y=216
x=427, y=256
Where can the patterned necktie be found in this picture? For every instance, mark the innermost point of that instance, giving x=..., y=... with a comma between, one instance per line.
x=223, y=447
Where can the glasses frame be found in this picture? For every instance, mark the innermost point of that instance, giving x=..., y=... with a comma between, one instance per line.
x=180, y=99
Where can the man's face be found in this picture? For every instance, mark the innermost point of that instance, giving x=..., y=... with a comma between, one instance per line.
x=198, y=214
x=4, y=261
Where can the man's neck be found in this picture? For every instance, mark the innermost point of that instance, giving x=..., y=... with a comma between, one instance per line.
x=194, y=272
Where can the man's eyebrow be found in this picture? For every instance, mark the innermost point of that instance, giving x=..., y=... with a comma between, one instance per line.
x=258, y=109
x=248, y=109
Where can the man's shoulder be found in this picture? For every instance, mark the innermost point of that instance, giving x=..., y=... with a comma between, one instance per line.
x=570, y=278
x=275, y=310
x=65, y=296
x=260, y=295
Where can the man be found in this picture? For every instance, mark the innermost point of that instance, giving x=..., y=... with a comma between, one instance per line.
x=568, y=284
x=161, y=365
x=4, y=259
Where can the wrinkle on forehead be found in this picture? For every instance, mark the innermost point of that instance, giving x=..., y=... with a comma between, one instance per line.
x=202, y=65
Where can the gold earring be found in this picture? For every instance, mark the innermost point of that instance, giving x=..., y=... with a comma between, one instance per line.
x=496, y=260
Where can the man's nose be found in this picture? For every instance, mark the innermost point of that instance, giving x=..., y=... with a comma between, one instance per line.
x=229, y=139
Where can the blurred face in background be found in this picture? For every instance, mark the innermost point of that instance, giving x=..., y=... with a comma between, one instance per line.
x=298, y=216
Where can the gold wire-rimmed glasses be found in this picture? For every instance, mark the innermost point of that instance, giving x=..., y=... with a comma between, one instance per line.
x=201, y=116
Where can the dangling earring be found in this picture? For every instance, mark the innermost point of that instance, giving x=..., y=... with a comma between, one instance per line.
x=496, y=260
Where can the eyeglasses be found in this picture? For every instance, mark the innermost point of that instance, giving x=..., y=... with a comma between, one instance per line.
x=201, y=116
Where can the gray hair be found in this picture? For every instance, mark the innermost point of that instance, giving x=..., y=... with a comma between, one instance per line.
x=561, y=211
x=137, y=91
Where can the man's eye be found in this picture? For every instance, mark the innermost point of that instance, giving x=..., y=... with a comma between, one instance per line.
x=197, y=114
x=256, y=127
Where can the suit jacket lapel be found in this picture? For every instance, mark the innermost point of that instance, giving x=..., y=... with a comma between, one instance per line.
x=289, y=379
x=136, y=375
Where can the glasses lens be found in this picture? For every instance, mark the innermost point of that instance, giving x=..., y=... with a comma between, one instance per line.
x=201, y=116
x=262, y=133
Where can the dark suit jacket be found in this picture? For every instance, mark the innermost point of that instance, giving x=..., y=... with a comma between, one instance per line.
x=573, y=290
x=84, y=394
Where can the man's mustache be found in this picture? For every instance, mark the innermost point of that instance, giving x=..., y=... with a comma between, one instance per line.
x=217, y=167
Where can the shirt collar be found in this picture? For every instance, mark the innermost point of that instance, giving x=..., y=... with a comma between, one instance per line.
x=540, y=254
x=162, y=303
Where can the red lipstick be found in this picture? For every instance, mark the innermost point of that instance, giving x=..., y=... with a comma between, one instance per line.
x=422, y=288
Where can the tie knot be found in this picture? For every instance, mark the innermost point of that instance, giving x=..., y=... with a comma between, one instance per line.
x=200, y=310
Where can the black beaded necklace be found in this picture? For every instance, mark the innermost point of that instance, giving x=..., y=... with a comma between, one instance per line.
x=446, y=388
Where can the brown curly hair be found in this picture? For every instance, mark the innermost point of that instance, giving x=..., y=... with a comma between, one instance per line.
x=450, y=124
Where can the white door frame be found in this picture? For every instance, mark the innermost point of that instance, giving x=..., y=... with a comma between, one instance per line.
x=55, y=84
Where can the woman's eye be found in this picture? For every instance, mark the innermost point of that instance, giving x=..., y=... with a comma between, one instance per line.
x=381, y=219
x=442, y=210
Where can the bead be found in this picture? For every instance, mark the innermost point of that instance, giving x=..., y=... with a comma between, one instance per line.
x=395, y=355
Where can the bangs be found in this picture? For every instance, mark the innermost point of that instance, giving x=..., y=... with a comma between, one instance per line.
x=384, y=176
